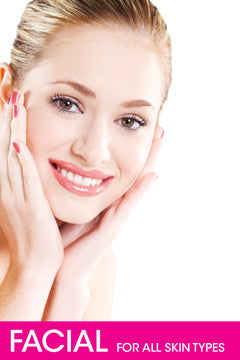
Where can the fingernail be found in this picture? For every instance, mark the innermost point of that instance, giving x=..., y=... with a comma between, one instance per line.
x=8, y=100
x=162, y=134
x=16, y=147
x=156, y=177
x=15, y=97
x=15, y=111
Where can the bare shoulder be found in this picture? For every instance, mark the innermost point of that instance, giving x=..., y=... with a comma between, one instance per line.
x=102, y=289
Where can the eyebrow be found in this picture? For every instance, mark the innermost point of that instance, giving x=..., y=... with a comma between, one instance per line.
x=87, y=92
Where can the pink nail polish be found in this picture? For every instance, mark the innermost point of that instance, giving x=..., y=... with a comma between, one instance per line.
x=162, y=134
x=15, y=97
x=15, y=111
x=16, y=147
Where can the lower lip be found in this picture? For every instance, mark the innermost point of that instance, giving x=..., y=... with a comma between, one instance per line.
x=80, y=189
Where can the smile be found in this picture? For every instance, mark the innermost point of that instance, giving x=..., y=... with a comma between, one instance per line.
x=80, y=181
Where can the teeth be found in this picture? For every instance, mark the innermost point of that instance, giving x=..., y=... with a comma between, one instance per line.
x=79, y=180
x=64, y=172
x=86, y=182
x=70, y=176
x=94, y=182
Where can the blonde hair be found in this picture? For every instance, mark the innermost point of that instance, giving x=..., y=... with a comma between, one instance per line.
x=42, y=19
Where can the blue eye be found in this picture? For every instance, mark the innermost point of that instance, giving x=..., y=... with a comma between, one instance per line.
x=66, y=104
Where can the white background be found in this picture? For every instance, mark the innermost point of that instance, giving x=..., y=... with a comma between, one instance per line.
x=178, y=258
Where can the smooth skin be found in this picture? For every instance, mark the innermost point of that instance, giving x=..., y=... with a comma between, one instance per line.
x=41, y=264
x=23, y=196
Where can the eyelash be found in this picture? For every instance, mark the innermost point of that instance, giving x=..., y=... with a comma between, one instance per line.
x=58, y=97
x=141, y=122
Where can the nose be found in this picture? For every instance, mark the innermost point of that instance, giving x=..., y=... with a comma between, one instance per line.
x=92, y=144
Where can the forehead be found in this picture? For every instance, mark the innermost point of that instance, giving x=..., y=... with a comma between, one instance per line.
x=113, y=62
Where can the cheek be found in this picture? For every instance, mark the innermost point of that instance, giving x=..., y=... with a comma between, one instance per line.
x=133, y=157
x=43, y=132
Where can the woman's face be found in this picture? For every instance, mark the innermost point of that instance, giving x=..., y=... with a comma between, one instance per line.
x=92, y=106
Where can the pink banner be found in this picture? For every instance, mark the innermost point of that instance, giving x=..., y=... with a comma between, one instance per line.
x=120, y=340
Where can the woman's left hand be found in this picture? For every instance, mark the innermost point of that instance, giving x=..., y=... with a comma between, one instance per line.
x=86, y=244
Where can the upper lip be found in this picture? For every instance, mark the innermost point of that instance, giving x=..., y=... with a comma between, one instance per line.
x=76, y=169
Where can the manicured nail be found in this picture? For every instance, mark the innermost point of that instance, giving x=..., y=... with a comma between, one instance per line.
x=156, y=177
x=15, y=97
x=16, y=147
x=8, y=100
x=15, y=111
x=162, y=134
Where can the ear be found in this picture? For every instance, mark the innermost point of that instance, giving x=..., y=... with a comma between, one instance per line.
x=5, y=84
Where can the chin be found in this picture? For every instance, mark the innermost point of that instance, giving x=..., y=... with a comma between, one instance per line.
x=75, y=214
x=69, y=208
x=76, y=218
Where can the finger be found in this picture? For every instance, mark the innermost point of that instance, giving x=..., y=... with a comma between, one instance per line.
x=158, y=132
x=151, y=160
x=70, y=233
x=92, y=248
x=18, y=124
x=32, y=185
x=152, y=156
x=5, y=133
x=117, y=215
x=18, y=127
x=113, y=221
x=74, y=232
x=154, y=151
x=133, y=196
x=16, y=98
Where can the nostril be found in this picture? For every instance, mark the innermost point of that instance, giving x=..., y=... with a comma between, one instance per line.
x=92, y=153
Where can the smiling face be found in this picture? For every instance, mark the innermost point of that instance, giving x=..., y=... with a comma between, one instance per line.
x=92, y=106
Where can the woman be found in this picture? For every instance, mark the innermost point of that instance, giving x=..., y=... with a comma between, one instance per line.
x=80, y=103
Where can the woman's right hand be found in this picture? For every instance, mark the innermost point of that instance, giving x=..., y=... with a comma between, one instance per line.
x=86, y=254
x=31, y=231
x=25, y=216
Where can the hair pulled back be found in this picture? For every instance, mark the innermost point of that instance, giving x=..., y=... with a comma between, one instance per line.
x=42, y=19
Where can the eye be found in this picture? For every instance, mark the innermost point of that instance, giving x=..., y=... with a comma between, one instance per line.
x=131, y=122
x=66, y=104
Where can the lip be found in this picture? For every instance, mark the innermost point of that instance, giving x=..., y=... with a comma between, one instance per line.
x=80, y=189
x=94, y=174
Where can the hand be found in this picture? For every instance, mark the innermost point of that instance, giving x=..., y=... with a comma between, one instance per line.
x=25, y=216
x=86, y=244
